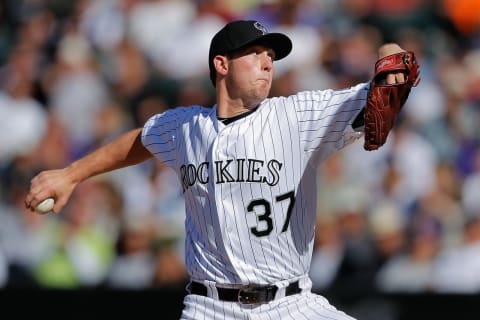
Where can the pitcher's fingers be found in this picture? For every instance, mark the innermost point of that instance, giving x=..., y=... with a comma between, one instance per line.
x=31, y=203
x=35, y=197
x=28, y=201
x=59, y=204
x=391, y=78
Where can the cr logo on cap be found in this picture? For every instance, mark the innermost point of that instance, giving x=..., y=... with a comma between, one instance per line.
x=258, y=26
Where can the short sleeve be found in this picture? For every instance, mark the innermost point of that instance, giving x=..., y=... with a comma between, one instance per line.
x=159, y=136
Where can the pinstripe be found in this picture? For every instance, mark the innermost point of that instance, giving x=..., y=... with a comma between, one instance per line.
x=330, y=107
x=280, y=315
x=234, y=213
x=214, y=308
x=314, y=310
x=245, y=216
x=210, y=138
x=201, y=228
x=299, y=190
x=300, y=310
x=284, y=114
x=292, y=305
x=191, y=235
x=272, y=196
x=235, y=316
x=269, y=316
x=195, y=311
x=237, y=214
x=279, y=239
x=254, y=196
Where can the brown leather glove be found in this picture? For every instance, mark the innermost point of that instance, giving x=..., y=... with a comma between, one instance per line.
x=385, y=100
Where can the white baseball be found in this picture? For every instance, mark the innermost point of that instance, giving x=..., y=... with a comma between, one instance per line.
x=45, y=206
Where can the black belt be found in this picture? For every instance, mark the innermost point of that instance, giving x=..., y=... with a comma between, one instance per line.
x=250, y=294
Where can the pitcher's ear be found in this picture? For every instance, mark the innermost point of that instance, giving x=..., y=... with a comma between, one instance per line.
x=221, y=64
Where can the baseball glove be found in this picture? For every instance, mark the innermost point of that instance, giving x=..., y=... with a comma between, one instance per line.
x=384, y=100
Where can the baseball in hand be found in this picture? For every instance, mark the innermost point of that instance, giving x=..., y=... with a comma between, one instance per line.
x=45, y=206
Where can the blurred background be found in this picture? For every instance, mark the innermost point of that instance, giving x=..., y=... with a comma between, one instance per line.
x=398, y=230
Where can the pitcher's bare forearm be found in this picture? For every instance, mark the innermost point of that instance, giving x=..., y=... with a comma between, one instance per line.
x=59, y=184
x=125, y=151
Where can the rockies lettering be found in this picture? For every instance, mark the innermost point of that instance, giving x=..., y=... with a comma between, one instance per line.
x=232, y=170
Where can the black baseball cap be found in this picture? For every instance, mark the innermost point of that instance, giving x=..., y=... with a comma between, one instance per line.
x=238, y=34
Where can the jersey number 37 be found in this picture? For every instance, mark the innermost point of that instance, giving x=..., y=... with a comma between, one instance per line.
x=267, y=211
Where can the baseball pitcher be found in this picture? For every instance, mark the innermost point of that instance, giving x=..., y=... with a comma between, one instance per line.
x=247, y=166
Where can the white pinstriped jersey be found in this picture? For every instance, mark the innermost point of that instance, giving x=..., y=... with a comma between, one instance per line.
x=250, y=186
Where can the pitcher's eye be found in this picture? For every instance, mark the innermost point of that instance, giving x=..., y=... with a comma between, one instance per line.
x=261, y=50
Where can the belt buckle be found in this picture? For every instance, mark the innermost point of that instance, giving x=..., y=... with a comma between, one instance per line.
x=249, y=294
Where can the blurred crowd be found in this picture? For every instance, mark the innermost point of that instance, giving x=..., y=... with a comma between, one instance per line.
x=76, y=74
